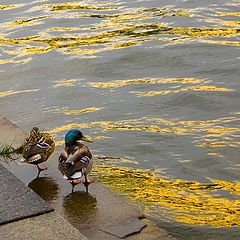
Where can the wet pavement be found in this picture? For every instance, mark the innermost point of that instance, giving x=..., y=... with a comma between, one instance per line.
x=99, y=214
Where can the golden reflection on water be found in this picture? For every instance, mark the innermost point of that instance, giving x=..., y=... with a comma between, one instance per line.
x=197, y=87
x=220, y=131
x=59, y=143
x=168, y=126
x=4, y=61
x=65, y=83
x=205, y=88
x=189, y=202
x=35, y=50
x=233, y=14
x=223, y=22
x=112, y=31
x=78, y=111
x=77, y=6
x=15, y=60
x=215, y=144
x=26, y=22
x=84, y=52
x=209, y=134
x=121, y=125
x=11, y=92
x=231, y=23
x=7, y=7
x=231, y=43
x=121, y=83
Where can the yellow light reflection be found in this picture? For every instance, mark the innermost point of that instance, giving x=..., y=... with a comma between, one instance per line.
x=77, y=6
x=7, y=7
x=26, y=22
x=65, y=83
x=35, y=50
x=211, y=133
x=121, y=83
x=4, y=61
x=11, y=92
x=117, y=35
x=233, y=14
x=205, y=88
x=79, y=111
x=189, y=202
x=123, y=126
x=59, y=143
x=220, y=131
x=222, y=42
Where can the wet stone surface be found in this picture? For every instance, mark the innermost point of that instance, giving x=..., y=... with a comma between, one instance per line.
x=18, y=201
x=93, y=213
x=125, y=228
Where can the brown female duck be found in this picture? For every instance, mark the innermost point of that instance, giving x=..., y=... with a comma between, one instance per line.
x=36, y=148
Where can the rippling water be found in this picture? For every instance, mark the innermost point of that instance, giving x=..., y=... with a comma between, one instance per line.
x=155, y=83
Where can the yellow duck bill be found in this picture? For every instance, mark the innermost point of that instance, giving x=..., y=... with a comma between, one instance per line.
x=86, y=139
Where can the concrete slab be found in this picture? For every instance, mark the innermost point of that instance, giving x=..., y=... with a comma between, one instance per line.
x=18, y=201
x=98, y=235
x=125, y=228
x=48, y=226
x=10, y=134
x=152, y=231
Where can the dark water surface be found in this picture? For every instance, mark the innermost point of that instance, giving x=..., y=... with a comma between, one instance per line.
x=155, y=83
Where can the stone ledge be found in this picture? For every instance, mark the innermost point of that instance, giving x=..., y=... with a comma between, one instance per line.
x=18, y=201
x=48, y=226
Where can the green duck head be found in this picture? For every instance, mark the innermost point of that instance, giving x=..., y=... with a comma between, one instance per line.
x=73, y=136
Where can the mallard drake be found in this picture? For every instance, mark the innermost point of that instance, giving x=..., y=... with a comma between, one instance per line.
x=36, y=148
x=75, y=161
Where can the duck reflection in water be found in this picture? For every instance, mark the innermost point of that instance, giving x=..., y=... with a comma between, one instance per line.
x=80, y=208
x=46, y=187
